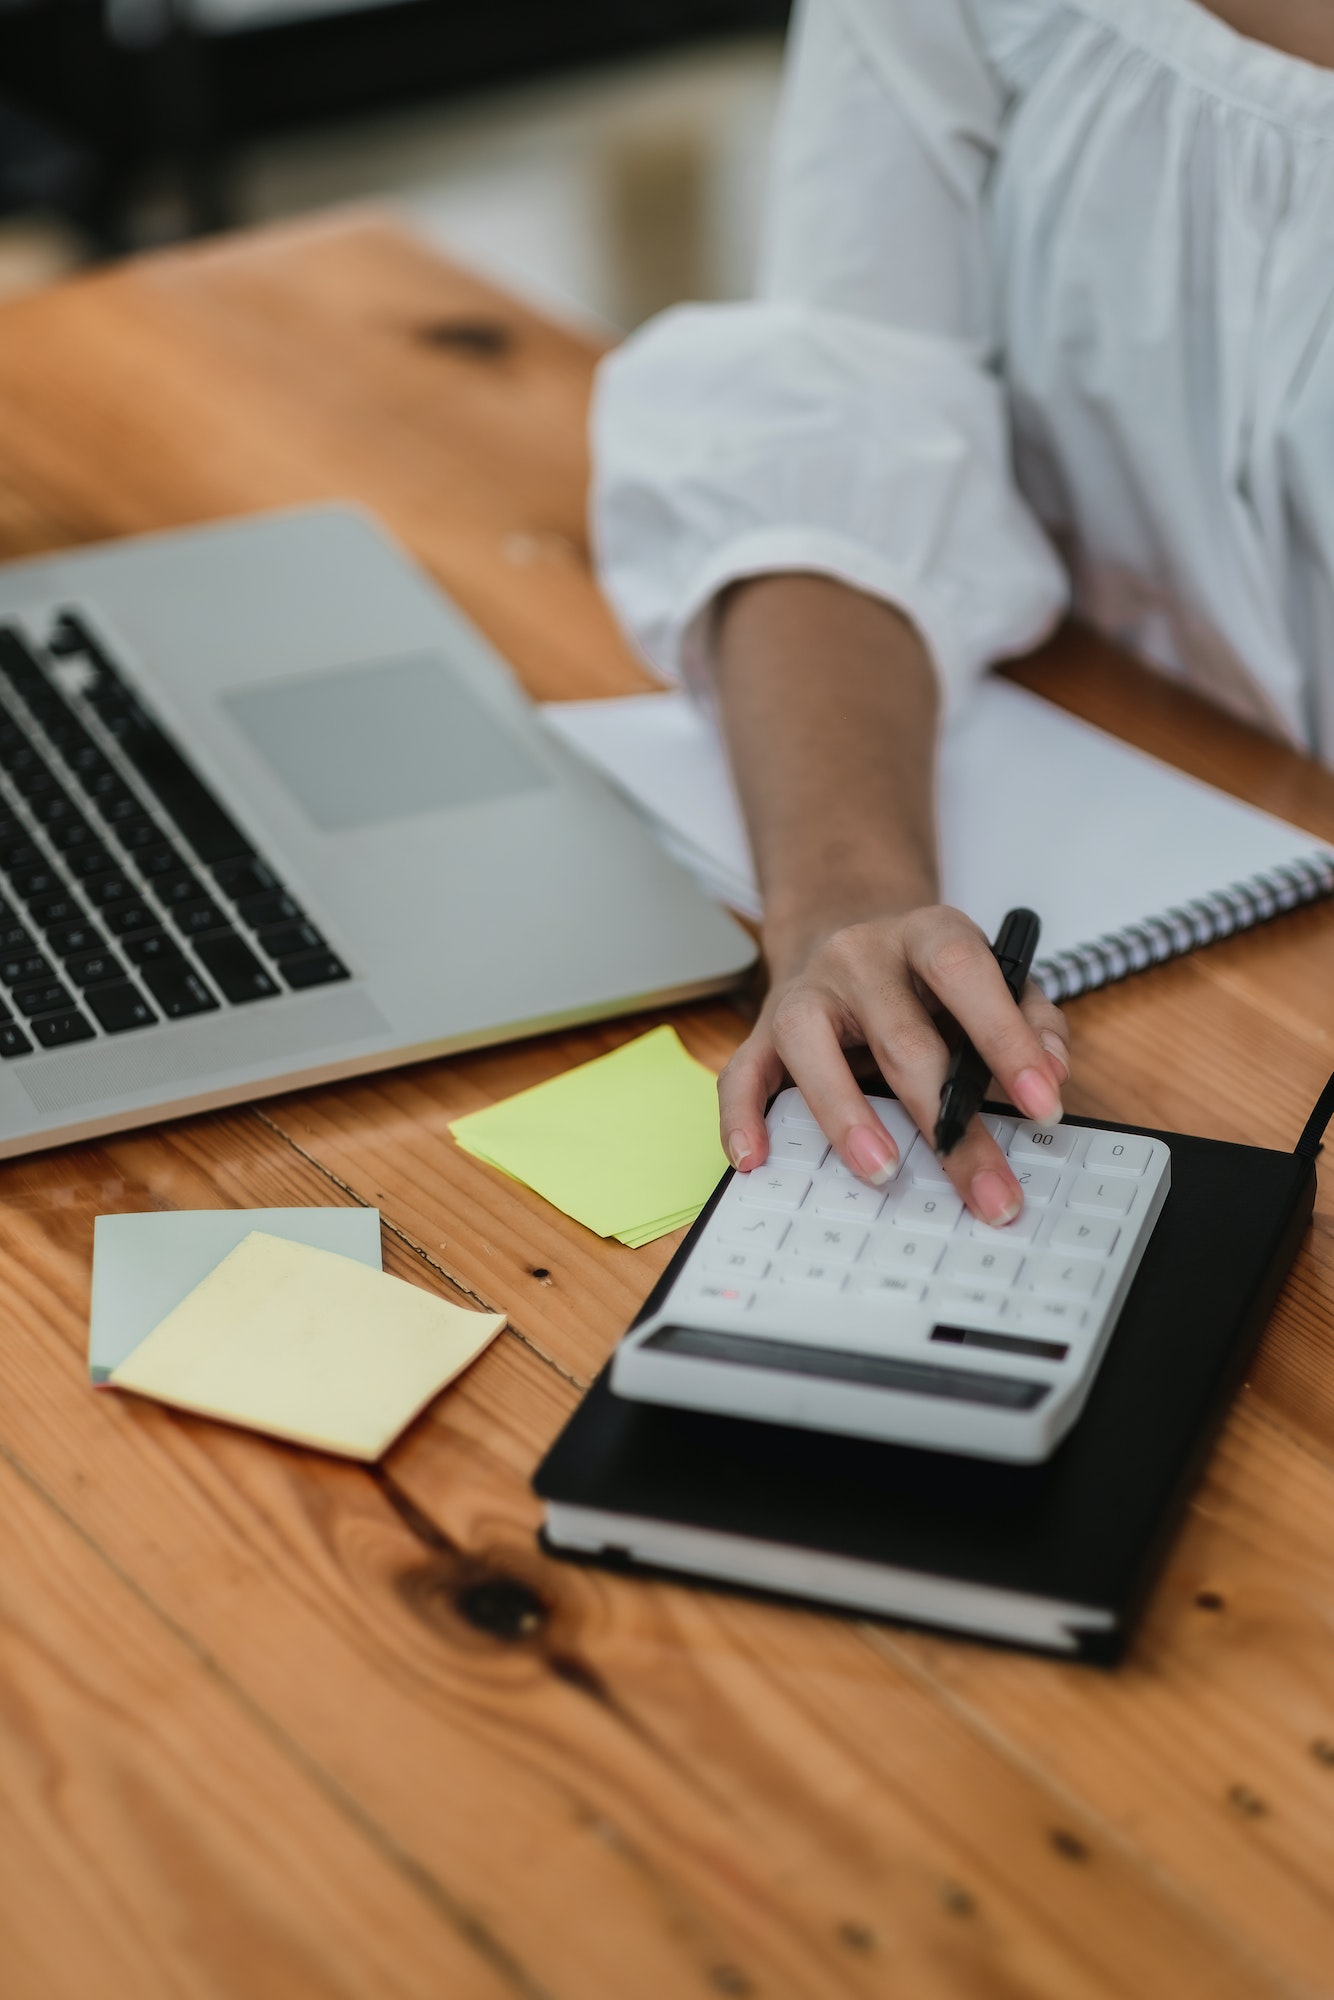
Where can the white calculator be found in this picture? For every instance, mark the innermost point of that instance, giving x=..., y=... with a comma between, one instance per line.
x=810, y=1298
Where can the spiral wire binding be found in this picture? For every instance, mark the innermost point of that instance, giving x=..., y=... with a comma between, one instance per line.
x=1178, y=931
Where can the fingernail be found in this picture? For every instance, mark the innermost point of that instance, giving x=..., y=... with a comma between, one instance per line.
x=995, y=1200
x=738, y=1147
x=1057, y=1049
x=872, y=1154
x=1037, y=1096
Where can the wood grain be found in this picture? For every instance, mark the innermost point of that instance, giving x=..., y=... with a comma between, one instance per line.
x=499, y=1773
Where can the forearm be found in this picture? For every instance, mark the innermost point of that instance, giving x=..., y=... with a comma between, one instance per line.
x=829, y=703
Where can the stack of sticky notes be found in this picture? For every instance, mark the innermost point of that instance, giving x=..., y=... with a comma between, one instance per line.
x=628, y=1144
x=290, y=1328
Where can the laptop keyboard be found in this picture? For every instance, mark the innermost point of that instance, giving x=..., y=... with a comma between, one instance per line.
x=128, y=893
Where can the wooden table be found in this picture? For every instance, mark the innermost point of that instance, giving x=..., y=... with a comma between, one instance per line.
x=276, y=1727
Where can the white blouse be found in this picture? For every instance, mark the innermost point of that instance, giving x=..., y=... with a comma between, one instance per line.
x=1046, y=313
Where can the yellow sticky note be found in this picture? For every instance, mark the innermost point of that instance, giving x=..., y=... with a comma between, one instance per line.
x=627, y=1144
x=308, y=1346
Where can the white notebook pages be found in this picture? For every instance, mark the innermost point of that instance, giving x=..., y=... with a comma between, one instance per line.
x=1127, y=861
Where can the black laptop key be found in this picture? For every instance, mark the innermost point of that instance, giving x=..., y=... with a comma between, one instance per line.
x=34, y=882
x=13, y=1041
x=177, y=988
x=22, y=968
x=71, y=833
x=56, y=1031
x=94, y=968
x=137, y=833
x=74, y=939
x=110, y=888
x=210, y=830
x=318, y=968
x=51, y=998
x=19, y=853
x=236, y=969
x=120, y=1007
x=58, y=909
x=251, y=877
x=150, y=945
x=199, y=919
x=17, y=660
x=93, y=859
x=275, y=906
x=6, y=1011
x=119, y=806
x=160, y=859
x=15, y=940
x=122, y=918
x=56, y=811
x=287, y=940
x=179, y=887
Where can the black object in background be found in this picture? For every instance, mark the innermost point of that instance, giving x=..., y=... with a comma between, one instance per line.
x=138, y=86
x=1089, y=1527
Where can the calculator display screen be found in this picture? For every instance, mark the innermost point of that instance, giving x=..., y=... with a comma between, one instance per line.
x=875, y=1371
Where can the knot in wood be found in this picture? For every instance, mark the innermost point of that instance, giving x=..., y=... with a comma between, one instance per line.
x=501, y=1606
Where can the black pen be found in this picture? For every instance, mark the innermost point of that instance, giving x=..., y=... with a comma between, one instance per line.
x=966, y=1079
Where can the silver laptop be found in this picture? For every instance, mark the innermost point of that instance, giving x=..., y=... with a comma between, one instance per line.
x=272, y=811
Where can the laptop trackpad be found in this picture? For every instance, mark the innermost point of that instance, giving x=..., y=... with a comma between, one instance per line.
x=356, y=746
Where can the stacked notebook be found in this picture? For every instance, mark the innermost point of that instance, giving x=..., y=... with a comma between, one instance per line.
x=1127, y=861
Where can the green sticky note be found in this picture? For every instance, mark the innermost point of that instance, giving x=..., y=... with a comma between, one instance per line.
x=627, y=1144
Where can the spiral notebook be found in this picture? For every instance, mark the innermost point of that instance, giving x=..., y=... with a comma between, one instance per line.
x=1128, y=861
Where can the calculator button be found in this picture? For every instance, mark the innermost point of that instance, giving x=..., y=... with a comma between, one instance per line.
x=791, y=1108
x=894, y=1285
x=773, y=1187
x=1021, y=1230
x=1082, y=1233
x=898, y=1124
x=797, y=1142
x=896, y=1250
x=720, y=1298
x=735, y=1264
x=974, y=1299
x=1117, y=1153
x=839, y=1241
x=1101, y=1194
x=749, y=1231
x=924, y=1169
x=847, y=1198
x=812, y=1271
x=1045, y=1315
x=923, y=1209
x=1036, y=1142
x=1001, y=1129
x=982, y=1262
x=1057, y=1277
x=1038, y=1182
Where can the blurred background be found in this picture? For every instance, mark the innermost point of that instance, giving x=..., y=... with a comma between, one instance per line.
x=603, y=157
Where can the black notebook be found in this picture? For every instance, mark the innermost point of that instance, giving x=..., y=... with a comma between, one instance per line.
x=1057, y=1557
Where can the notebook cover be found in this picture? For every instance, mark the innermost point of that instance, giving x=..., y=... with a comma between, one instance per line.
x=1091, y=1524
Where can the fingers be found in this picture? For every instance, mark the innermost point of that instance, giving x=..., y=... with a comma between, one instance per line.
x=806, y=1036
x=950, y=955
x=1048, y=1024
x=744, y=1088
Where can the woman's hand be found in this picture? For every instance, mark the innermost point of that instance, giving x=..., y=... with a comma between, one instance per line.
x=884, y=982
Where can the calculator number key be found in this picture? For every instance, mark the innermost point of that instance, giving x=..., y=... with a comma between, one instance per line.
x=735, y=1264
x=920, y=1209
x=1022, y=1230
x=774, y=1187
x=981, y=1263
x=1045, y=1315
x=813, y=1271
x=1084, y=1235
x=1058, y=1277
x=898, y=1250
x=1037, y=1142
x=1038, y=1181
x=1101, y=1194
x=897, y=1287
x=1118, y=1153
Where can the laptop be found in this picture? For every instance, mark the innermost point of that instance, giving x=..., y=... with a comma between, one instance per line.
x=272, y=812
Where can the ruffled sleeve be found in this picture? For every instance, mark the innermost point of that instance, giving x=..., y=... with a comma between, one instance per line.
x=850, y=420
